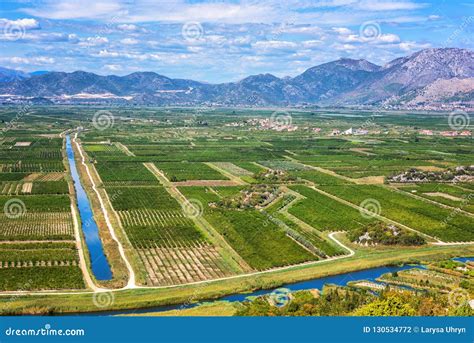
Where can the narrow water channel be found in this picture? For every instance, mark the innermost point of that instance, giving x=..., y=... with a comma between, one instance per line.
x=100, y=265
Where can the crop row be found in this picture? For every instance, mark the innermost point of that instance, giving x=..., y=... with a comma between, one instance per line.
x=23, y=188
x=131, y=198
x=30, y=167
x=37, y=226
x=123, y=172
x=175, y=265
x=39, y=278
x=182, y=171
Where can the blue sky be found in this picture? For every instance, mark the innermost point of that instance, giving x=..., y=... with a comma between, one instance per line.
x=218, y=41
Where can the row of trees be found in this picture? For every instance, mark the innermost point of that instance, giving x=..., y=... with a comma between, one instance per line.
x=343, y=301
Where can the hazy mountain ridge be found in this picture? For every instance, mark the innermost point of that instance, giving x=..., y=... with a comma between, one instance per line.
x=408, y=81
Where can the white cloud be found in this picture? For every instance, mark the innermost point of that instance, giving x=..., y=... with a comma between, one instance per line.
x=411, y=46
x=25, y=24
x=342, y=30
x=311, y=43
x=380, y=39
x=94, y=41
x=129, y=41
x=75, y=9
x=128, y=27
x=26, y=36
x=38, y=60
x=274, y=44
x=387, y=38
x=377, y=5
x=298, y=29
x=113, y=67
x=105, y=54
x=434, y=17
x=343, y=47
x=245, y=40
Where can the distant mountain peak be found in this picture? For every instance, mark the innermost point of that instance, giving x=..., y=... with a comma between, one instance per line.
x=267, y=77
x=9, y=75
x=405, y=81
x=359, y=64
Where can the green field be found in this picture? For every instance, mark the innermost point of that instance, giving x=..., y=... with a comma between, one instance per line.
x=423, y=216
x=173, y=221
x=261, y=242
x=326, y=214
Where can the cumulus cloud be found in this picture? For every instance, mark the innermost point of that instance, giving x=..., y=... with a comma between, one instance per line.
x=311, y=43
x=274, y=44
x=343, y=47
x=129, y=41
x=240, y=37
x=26, y=36
x=412, y=46
x=113, y=67
x=37, y=60
x=26, y=23
x=127, y=27
x=342, y=30
x=75, y=9
x=377, y=5
x=94, y=41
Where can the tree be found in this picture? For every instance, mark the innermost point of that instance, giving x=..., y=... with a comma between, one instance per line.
x=392, y=305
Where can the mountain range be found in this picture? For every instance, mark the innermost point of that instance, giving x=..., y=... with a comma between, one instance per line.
x=429, y=79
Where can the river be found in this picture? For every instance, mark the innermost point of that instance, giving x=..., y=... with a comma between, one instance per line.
x=99, y=264
x=370, y=274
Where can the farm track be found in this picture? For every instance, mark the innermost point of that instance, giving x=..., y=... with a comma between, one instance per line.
x=206, y=282
x=124, y=149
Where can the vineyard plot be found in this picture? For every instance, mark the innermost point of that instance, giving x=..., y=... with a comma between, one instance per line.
x=170, y=246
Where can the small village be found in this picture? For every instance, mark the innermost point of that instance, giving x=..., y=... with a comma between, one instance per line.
x=285, y=125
